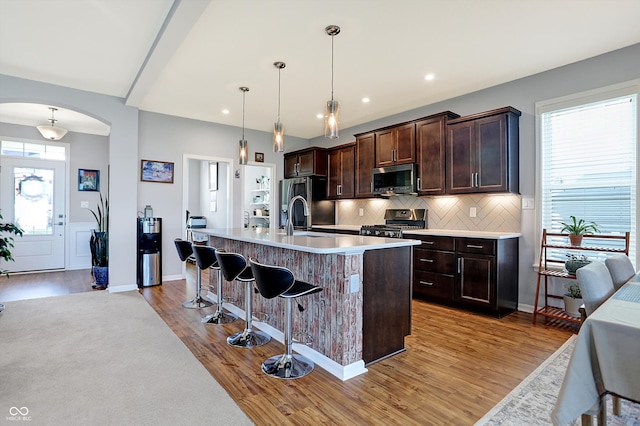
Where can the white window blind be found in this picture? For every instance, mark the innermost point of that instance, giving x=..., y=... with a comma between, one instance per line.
x=588, y=165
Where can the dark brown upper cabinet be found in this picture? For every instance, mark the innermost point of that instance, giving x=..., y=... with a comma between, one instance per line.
x=482, y=152
x=431, y=139
x=305, y=162
x=341, y=172
x=365, y=162
x=396, y=145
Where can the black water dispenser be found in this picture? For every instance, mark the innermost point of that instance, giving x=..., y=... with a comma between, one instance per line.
x=149, y=251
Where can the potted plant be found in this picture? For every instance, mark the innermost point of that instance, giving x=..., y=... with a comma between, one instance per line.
x=573, y=299
x=6, y=244
x=574, y=262
x=577, y=228
x=99, y=245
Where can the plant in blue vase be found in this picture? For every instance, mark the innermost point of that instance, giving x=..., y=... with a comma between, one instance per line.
x=99, y=245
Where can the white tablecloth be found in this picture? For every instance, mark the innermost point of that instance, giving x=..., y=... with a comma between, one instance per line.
x=605, y=357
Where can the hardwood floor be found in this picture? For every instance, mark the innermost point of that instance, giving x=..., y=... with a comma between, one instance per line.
x=457, y=365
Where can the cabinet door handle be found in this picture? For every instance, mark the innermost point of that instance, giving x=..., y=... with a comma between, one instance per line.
x=474, y=246
x=339, y=189
x=428, y=242
x=475, y=180
x=460, y=264
x=295, y=167
x=425, y=283
x=418, y=184
x=393, y=155
x=426, y=260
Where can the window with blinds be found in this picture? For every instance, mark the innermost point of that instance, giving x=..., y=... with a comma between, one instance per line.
x=588, y=164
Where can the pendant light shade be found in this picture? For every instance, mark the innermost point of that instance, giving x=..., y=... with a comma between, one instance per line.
x=51, y=131
x=278, y=128
x=243, y=155
x=331, y=117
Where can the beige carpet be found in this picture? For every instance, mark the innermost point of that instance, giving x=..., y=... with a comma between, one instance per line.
x=102, y=359
x=531, y=402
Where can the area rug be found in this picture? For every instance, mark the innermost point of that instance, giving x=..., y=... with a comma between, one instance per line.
x=532, y=401
x=102, y=359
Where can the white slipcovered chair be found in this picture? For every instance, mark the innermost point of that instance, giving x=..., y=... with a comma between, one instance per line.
x=595, y=284
x=620, y=268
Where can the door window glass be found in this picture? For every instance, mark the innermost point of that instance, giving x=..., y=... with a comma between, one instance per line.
x=33, y=203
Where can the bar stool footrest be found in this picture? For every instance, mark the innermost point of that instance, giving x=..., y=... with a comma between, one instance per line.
x=260, y=316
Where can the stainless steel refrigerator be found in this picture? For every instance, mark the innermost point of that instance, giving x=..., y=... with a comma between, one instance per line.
x=314, y=190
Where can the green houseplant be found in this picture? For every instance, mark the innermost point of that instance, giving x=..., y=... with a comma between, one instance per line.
x=99, y=245
x=573, y=299
x=6, y=242
x=576, y=228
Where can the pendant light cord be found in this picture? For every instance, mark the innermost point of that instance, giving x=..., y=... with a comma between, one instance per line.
x=332, y=68
x=279, y=69
x=244, y=92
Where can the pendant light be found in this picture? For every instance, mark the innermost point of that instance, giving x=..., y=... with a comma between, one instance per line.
x=333, y=107
x=278, y=128
x=51, y=131
x=243, y=143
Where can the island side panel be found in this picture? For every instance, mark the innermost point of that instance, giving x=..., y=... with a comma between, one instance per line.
x=333, y=317
x=387, y=302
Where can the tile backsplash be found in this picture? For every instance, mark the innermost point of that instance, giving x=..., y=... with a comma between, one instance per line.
x=494, y=213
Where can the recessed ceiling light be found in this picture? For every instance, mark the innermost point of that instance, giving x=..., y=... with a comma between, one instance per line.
x=225, y=111
x=365, y=100
x=429, y=77
x=320, y=116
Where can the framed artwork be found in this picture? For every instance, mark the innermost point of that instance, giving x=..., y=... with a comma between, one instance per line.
x=156, y=171
x=88, y=180
x=213, y=176
x=260, y=157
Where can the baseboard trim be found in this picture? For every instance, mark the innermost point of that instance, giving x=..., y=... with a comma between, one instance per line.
x=342, y=372
x=122, y=288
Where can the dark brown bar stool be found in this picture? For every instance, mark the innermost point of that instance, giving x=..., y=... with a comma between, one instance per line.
x=234, y=268
x=185, y=249
x=276, y=281
x=206, y=258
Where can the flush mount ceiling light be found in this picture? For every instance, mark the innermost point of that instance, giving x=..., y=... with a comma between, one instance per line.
x=51, y=131
x=278, y=128
x=243, y=142
x=333, y=107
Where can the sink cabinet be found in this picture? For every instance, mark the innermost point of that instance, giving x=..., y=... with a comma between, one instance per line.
x=477, y=274
x=341, y=172
x=306, y=162
x=482, y=152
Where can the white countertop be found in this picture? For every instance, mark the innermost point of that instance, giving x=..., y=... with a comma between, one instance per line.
x=464, y=233
x=338, y=227
x=312, y=242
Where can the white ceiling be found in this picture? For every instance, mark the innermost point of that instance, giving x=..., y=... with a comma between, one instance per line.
x=188, y=58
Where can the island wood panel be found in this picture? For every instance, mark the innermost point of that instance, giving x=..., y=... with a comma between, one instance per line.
x=332, y=317
x=387, y=302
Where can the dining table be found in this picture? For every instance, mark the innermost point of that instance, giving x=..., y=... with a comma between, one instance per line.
x=605, y=357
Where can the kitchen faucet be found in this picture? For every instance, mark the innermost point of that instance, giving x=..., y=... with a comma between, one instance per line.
x=289, y=224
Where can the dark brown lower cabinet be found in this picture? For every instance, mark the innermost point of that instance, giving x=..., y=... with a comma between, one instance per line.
x=476, y=274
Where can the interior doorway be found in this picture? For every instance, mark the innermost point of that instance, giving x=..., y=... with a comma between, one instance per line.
x=259, y=195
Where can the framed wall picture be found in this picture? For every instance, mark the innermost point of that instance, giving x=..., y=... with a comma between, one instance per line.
x=260, y=157
x=88, y=180
x=156, y=171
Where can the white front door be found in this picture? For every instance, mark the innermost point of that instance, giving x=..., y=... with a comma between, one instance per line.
x=32, y=195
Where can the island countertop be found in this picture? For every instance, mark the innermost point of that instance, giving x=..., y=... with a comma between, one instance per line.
x=307, y=241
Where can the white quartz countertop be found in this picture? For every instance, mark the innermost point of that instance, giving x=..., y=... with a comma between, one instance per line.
x=312, y=242
x=463, y=233
x=338, y=227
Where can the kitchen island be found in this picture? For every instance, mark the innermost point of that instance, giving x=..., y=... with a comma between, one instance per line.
x=362, y=313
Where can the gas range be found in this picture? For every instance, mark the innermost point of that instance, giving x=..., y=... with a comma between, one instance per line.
x=397, y=221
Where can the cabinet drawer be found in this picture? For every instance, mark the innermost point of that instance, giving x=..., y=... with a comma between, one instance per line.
x=476, y=245
x=434, y=243
x=434, y=261
x=429, y=284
